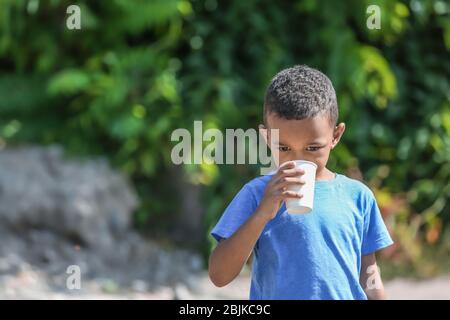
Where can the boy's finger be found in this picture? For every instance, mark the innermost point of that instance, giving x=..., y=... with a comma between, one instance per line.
x=287, y=165
x=292, y=172
x=291, y=194
x=290, y=165
x=288, y=181
x=287, y=173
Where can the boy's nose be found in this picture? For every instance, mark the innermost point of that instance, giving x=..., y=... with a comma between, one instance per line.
x=300, y=156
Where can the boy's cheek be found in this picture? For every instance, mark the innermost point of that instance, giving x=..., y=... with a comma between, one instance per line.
x=321, y=159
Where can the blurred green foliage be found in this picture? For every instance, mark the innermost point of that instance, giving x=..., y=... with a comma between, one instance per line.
x=139, y=69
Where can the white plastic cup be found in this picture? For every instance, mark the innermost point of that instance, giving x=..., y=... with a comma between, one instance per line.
x=304, y=204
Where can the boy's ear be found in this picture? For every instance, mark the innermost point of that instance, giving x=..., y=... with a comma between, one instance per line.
x=337, y=134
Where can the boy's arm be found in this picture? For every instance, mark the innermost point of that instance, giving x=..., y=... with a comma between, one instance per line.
x=370, y=278
x=230, y=255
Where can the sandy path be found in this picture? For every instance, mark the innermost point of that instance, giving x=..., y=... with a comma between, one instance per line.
x=31, y=286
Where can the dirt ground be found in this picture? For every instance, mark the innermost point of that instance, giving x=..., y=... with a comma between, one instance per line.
x=30, y=285
x=398, y=289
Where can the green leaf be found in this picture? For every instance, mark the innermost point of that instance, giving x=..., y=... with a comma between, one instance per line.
x=68, y=82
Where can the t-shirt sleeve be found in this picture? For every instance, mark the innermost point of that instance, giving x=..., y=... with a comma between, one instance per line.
x=238, y=211
x=375, y=234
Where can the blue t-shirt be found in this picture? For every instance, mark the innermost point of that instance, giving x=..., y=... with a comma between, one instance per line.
x=315, y=255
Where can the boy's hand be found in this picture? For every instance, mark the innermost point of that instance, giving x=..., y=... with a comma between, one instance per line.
x=276, y=190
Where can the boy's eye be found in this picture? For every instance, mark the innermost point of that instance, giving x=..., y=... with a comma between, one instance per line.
x=313, y=148
x=283, y=148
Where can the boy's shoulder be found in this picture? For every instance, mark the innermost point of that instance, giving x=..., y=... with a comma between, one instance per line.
x=354, y=184
x=258, y=185
x=357, y=190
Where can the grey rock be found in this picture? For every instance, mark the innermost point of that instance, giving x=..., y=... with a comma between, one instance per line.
x=57, y=211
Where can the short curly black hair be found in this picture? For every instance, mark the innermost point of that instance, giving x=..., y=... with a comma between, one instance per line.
x=301, y=92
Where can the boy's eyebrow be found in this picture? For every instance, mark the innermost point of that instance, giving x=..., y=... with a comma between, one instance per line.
x=279, y=143
x=315, y=142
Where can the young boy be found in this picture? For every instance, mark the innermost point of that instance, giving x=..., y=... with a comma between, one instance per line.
x=328, y=253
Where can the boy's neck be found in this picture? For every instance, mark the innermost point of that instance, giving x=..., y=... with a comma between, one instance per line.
x=325, y=174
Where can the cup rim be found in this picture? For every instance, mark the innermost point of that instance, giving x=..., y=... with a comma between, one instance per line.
x=302, y=161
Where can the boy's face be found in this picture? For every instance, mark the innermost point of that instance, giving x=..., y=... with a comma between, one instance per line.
x=309, y=139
